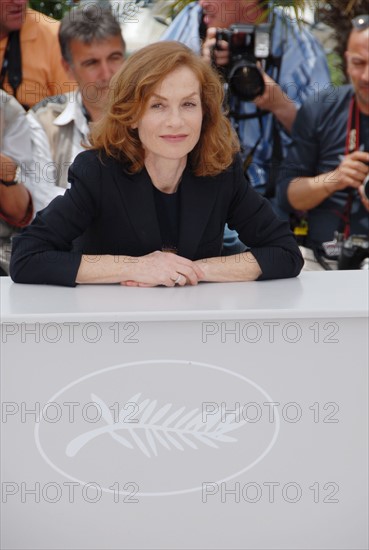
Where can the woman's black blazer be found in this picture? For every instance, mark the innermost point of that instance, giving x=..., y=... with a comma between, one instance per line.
x=109, y=211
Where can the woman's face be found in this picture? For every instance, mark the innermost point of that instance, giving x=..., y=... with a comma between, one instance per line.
x=171, y=123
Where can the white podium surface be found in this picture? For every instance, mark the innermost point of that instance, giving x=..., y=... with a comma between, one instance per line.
x=223, y=416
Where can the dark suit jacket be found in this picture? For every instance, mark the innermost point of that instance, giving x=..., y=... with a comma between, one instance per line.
x=109, y=211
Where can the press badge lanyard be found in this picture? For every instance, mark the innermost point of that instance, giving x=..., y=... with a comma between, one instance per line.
x=352, y=144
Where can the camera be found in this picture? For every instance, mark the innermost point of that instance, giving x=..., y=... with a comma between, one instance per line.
x=350, y=253
x=354, y=250
x=248, y=44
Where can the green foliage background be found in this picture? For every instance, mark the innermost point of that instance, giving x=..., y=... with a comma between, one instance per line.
x=52, y=8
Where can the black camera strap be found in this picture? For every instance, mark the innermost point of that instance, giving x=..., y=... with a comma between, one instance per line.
x=12, y=63
x=248, y=159
x=277, y=153
x=276, y=159
x=351, y=145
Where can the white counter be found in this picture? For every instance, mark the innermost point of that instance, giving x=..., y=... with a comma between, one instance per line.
x=267, y=447
x=312, y=294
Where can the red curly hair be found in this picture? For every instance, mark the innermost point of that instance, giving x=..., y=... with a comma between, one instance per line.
x=130, y=91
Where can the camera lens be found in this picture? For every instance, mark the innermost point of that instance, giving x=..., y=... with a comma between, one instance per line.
x=246, y=81
x=366, y=186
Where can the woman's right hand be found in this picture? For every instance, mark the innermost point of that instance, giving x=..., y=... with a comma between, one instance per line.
x=164, y=268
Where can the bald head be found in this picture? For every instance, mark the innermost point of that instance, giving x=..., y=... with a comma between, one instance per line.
x=358, y=37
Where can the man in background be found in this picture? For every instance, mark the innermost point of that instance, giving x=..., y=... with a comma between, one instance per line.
x=93, y=50
x=328, y=161
x=30, y=58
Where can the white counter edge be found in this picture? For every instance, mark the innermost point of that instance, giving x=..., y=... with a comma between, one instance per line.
x=165, y=316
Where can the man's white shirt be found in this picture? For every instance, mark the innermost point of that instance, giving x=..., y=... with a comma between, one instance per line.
x=47, y=185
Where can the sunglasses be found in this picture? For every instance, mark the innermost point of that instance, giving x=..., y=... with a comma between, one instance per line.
x=361, y=22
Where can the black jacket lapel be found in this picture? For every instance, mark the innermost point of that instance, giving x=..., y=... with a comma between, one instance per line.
x=137, y=195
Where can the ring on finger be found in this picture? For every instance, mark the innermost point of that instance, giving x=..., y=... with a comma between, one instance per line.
x=176, y=281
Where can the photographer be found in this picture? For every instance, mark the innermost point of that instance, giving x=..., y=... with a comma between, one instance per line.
x=328, y=162
x=295, y=68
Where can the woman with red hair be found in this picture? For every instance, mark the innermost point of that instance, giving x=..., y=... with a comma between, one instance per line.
x=149, y=201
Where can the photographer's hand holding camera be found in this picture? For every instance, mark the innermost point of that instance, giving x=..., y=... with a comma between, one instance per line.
x=326, y=171
x=308, y=192
x=273, y=99
x=352, y=172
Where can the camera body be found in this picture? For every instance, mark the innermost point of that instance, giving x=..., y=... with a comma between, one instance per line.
x=353, y=252
x=248, y=45
x=350, y=253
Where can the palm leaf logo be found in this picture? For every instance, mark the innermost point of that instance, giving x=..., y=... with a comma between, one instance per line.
x=156, y=427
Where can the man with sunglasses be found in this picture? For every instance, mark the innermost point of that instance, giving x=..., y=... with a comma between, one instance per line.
x=328, y=160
